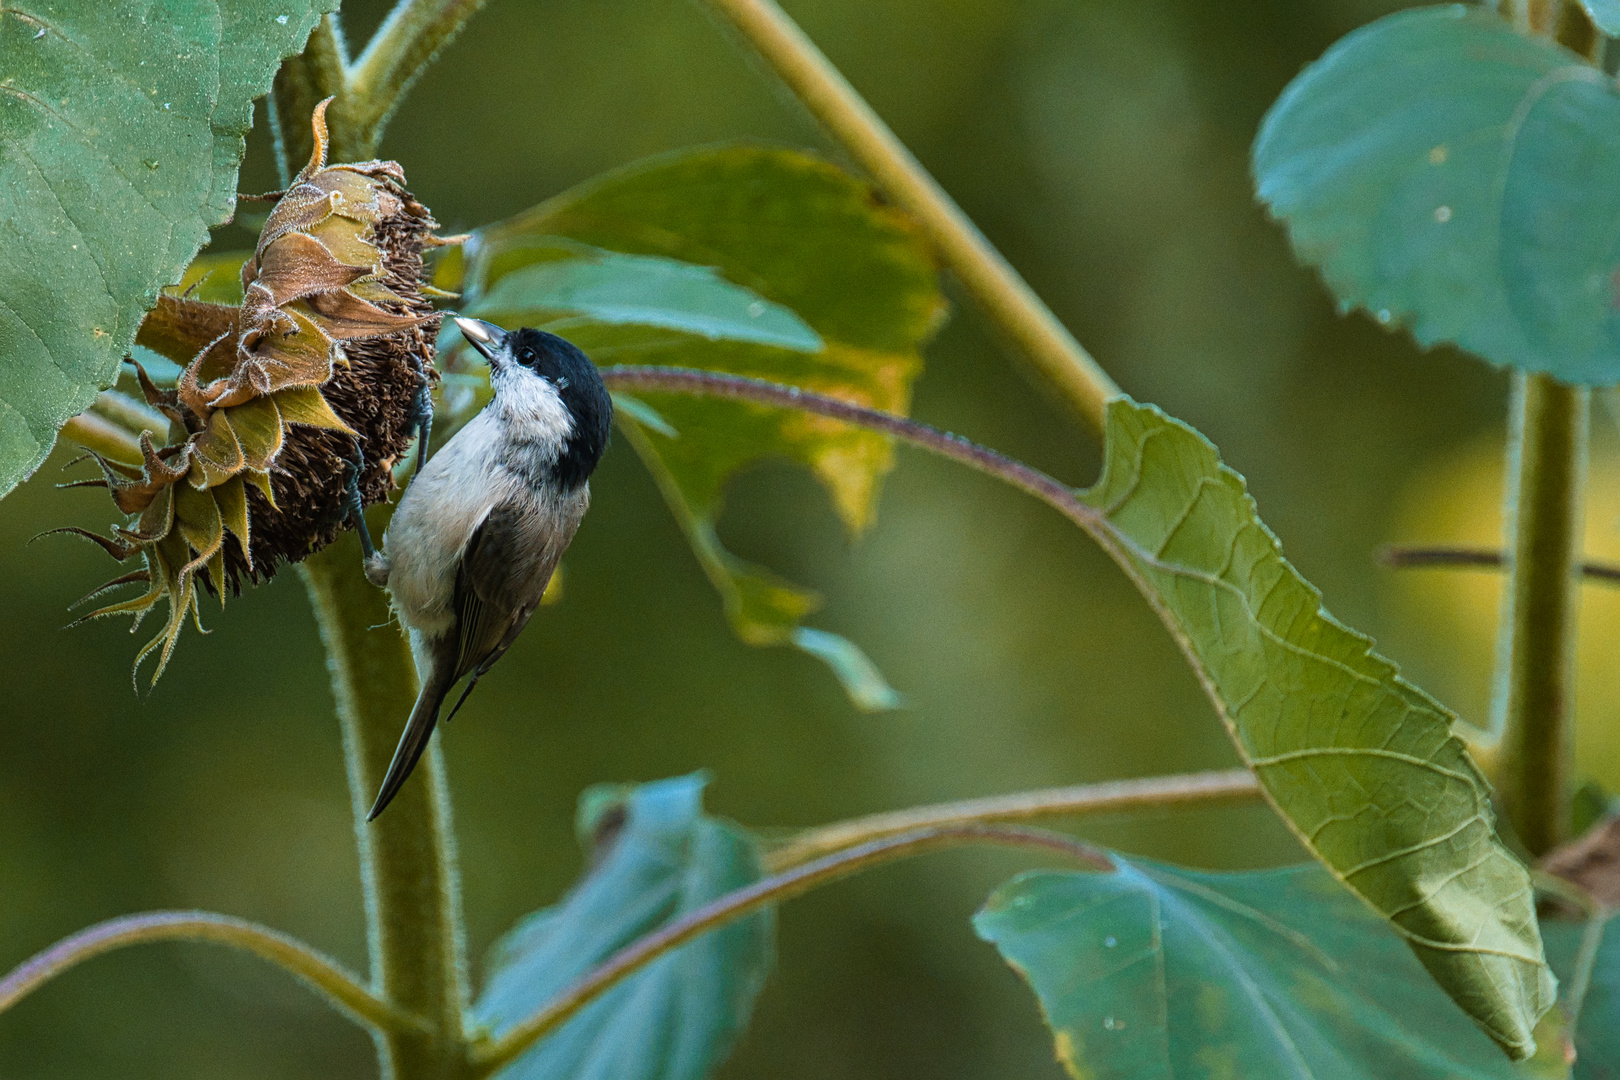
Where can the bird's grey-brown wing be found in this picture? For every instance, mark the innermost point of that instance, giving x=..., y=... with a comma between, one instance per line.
x=503, y=574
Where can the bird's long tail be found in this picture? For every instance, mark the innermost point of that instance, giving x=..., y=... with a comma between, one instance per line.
x=418, y=729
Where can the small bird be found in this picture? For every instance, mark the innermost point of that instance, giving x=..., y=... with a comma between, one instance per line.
x=479, y=531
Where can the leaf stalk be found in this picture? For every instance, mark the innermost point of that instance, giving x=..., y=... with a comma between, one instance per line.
x=323, y=974
x=1203, y=789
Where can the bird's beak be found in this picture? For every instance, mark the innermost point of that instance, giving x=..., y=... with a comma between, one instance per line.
x=487, y=338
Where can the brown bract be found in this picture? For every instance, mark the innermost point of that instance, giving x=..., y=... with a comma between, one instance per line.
x=317, y=373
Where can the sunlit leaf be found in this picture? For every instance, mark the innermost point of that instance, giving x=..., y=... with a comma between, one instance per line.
x=656, y=855
x=1154, y=972
x=121, y=129
x=1449, y=173
x=807, y=241
x=1362, y=765
x=642, y=290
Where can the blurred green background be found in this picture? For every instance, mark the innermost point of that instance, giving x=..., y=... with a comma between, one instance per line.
x=1102, y=144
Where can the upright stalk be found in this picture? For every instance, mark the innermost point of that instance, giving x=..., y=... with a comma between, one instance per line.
x=1005, y=296
x=407, y=856
x=1536, y=645
x=408, y=873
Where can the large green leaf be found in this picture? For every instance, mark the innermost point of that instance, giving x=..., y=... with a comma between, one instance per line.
x=121, y=129
x=1361, y=765
x=1153, y=972
x=1448, y=172
x=802, y=237
x=655, y=855
x=1586, y=957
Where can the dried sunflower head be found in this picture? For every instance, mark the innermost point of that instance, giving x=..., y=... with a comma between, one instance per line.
x=321, y=373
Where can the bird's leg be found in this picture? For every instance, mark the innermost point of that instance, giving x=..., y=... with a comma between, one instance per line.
x=374, y=561
x=421, y=418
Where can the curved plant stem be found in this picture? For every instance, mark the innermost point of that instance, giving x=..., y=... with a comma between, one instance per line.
x=288, y=953
x=1534, y=692
x=1053, y=492
x=1227, y=786
x=497, y=1054
x=1008, y=300
x=1414, y=557
x=396, y=56
x=407, y=856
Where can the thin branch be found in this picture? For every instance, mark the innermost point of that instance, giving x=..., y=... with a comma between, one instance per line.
x=398, y=53
x=1230, y=786
x=1053, y=492
x=320, y=972
x=491, y=1056
x=1005, y=296
x=1411, y=557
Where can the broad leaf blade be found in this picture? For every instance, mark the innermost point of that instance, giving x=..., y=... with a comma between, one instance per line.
x=803, y=237
x=1449, y=173
x=121, y=129
x=659, y=856
x=1361, y=765
x=1154, y=972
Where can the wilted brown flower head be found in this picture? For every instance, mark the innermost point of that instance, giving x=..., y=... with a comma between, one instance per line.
x=320, y=372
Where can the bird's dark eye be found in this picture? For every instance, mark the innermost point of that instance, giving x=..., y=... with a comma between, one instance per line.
x=526, y=357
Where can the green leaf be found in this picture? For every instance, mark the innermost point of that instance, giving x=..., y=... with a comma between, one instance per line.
x=121, y=129
x=803, y=239
x=1605, y=15
x=1154, y=972
x=656, y=855
x=1586, y=957
x=1447, y=172
x=1361, y=765
x=642, y=290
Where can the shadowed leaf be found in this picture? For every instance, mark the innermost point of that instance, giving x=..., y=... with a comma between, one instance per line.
x=1449, y=173
x=656, y=855
x=1158, y=973
x=121, y=129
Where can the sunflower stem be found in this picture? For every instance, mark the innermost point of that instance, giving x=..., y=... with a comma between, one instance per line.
x=1534, y=693
x=407, y=856
x=402, y=48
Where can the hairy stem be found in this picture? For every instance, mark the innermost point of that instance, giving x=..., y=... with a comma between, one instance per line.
x=1413, y=557
x=320, y=972
x=396, y=56
x=1229, y=786
x=1006, y=298
x=501, y=1052
x=408, y=855
x=1534, y=691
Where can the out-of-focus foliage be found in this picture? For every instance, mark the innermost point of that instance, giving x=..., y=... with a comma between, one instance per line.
x=1605, y=14
x=121, y=129
x=654, y=856
x=1586, y=957
x=804, y=238
x=1363, y=765
x=1445, y=170
x=1154, y=973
